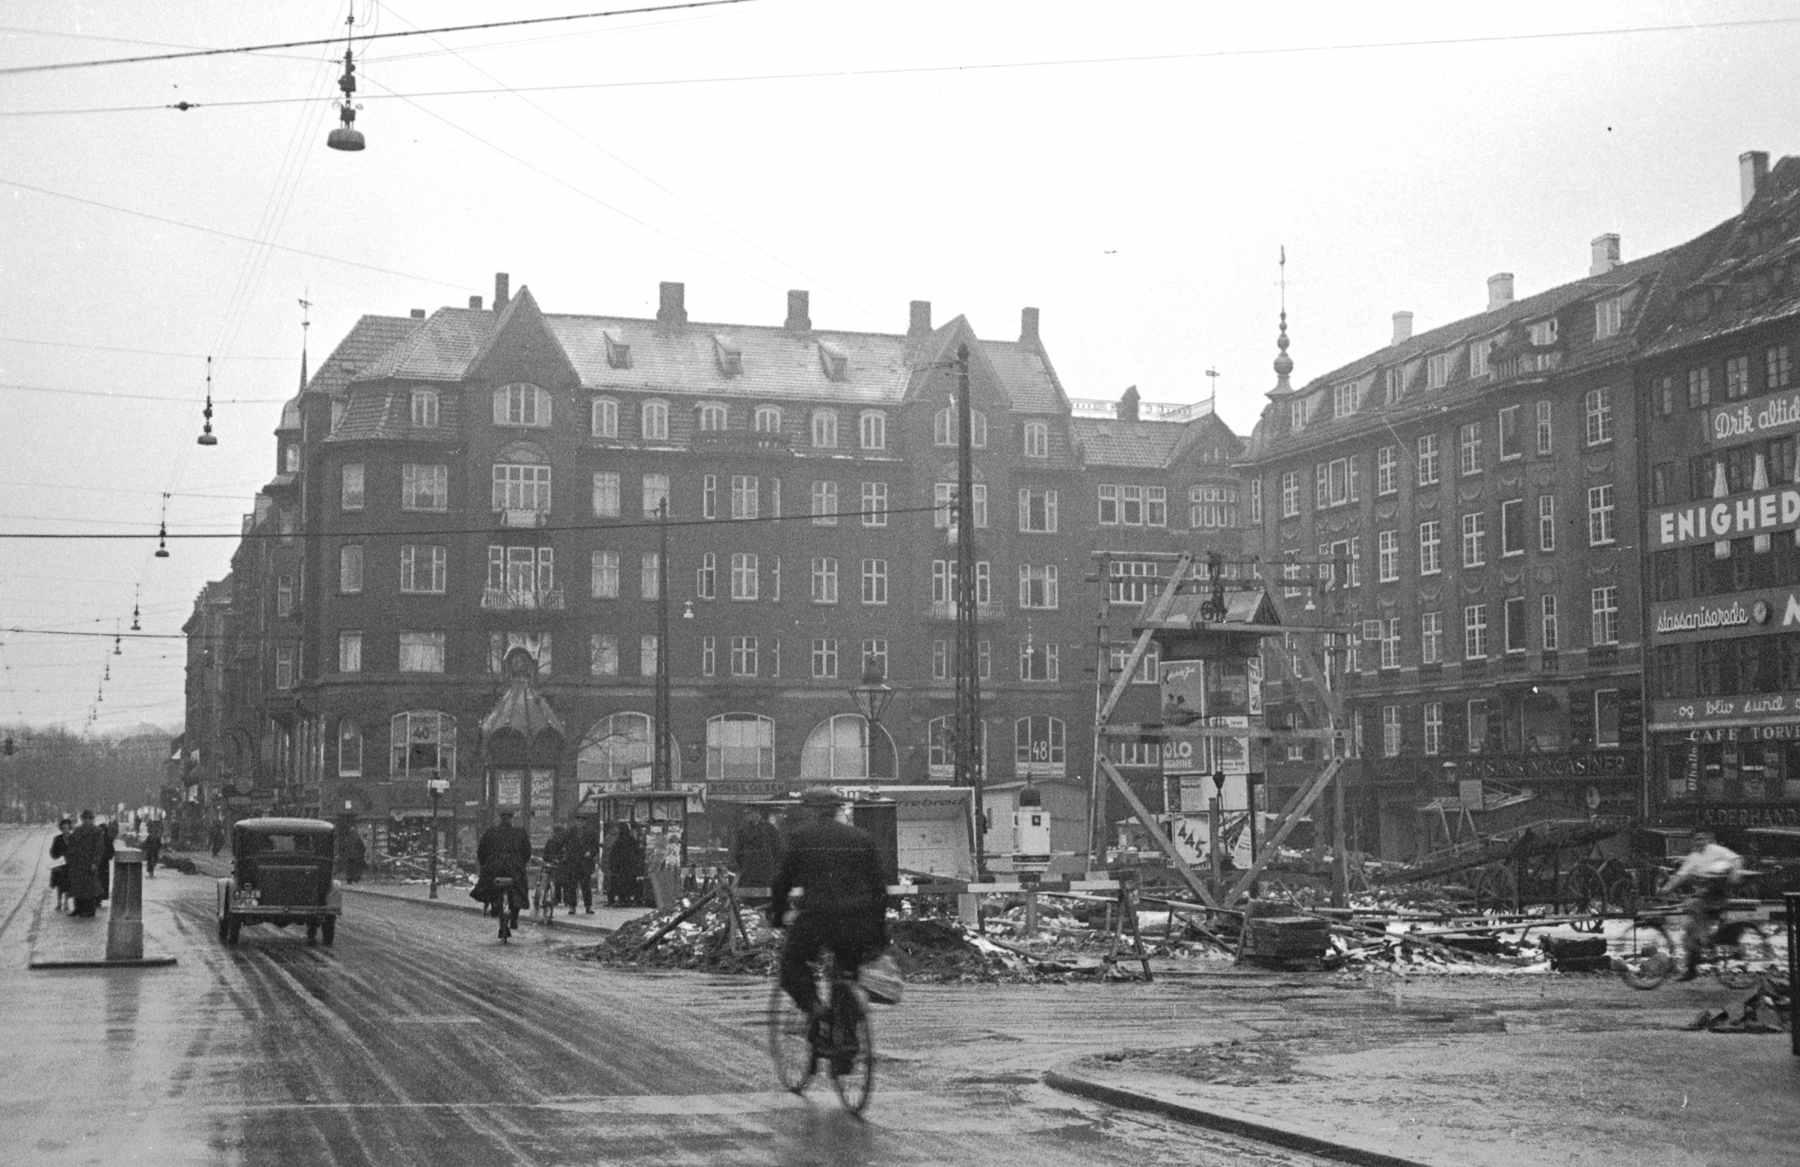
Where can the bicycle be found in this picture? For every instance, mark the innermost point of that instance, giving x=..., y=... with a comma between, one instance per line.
x=544, y=897
x=843, y=1039
x=500, y=902
x=1738, y=952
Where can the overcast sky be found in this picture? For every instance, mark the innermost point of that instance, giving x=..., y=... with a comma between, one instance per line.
x=1131, y=169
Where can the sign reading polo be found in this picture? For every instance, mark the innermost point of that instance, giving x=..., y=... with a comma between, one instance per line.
x=1760, y=512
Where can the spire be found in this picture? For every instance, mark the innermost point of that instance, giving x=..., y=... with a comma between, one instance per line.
x=1284, y=364
x=305, y=325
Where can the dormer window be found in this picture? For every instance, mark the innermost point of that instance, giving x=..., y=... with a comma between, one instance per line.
x=1478, y=357
x=1343, y=399
x=1543, y=332
x=1393, y=385
x=425, y=408
x=522, y=403
x=710, y=417
x=290, y=458
x=1296, y=415
x=618, y=353
x=1609, y=317
x=833, y=361
x=728, y=356
x=768, y=419
x=1437, y=370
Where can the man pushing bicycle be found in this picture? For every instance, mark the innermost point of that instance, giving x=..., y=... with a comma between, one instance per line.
x=1712, y=871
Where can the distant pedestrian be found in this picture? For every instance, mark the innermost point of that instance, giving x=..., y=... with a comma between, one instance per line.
x=355, y=856
x=756, y=852
x=59, y=862
x=110, y=830
x=553, y=861
x=215, y=837
x=152, y=847
x=86, y=849
x=588, y=843
x=625, y=868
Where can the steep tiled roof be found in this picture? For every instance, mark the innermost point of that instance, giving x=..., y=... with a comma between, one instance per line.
x=1027, y=376
x=438, y=350
x=367, y=341
x=387, y=414
x=1139, y=444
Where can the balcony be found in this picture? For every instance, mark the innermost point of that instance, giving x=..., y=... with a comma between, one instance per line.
x=1529, y=363
x=521, y=600
x=519, y=519
x=947, y=610
x=739, y=442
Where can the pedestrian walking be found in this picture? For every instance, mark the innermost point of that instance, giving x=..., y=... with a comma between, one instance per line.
x=589, y=846
x=152, y=847
x=110, y=831
x=553, y=861
x=215, y=837
x=571, y=866
x=59, y=862
x=86, y=850
x=355, y=856
x=625, y=868
x=756, y=852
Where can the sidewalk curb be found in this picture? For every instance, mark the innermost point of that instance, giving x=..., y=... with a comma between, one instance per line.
x=138, y=962
x=1070, y=1083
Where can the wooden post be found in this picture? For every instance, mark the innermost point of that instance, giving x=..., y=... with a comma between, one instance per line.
x=1031, y=911
x=1340, y=864
x=1212, y=840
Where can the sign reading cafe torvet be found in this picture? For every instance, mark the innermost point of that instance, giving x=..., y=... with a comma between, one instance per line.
x=1760, y=512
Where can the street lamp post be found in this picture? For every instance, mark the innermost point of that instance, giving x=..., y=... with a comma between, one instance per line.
x=437, y=784
x=872, y=695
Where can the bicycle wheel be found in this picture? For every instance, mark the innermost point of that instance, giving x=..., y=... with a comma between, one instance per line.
x=852, y=1069
x=790, y=1040
x=1742, y=960
x=1586, y=889
x=1650, y=957
x=1495, y=890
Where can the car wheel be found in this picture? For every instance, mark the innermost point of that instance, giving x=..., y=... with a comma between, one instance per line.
x=328, y=930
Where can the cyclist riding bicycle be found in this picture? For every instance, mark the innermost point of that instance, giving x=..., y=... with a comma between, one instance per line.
x=1711, y=871
x=844, y=908
x=503, y=852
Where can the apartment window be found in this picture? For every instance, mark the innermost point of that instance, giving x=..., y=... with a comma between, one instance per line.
x=874, y=504
x=1431, y=638
x=1434, y=727
x=709, y=496
x=1475, y=632
x=1546, y=522
x=1609, y=316
x=1039, y=742
x=1605, y=629
x=943, y=428
x=1476, y=724
x=1428, y=459
x=653, y=421
x=744, y=656
x=606, y=494
x=1387, y=463
x=1120, y=506
x=1468, y=447
x=1512, y=527
x=650, y=575
x=1552, y=637
x=521, y=571
x=604, y=575
x=1297, y=414
x=745, y=491
x=1602, y=516
x=824, y=504
x=872, y=427
x=284, y=666
x=709, y=656
x=1431, y=547
x=1387, y=556
x=521, y=487
x=943, y=501
x=1515, y=624
x=1474, y=539
x=1039, y=662
x=424, y=488
x=740, y=746
x=1343, y=399
x=1334, y=482
x=421, y=652
x=1130, y=581
x=422, y=568
x=1737, y=377
x=825, y=580
x=1597, y=408
x=1545, y=429
x=746, y=578
x=1212, y=508
x=825, y=659
x=1437, y=370
x=1665, y=396
x=656, y=493
x=1256, y=496
x=1390, y=731
x=710, y=417
x=874, y=581
x=350, y=488
x=604, y=418
x=350, y=569
x=603, y=654
x=1156, y=506
x=1290, y=493
x=649, y=649
x=1393, y=385
x=1543, y=332
x=1037, y=586
x=824, y=429
x=350, y=749
x=875, y=655
x=1037, y=511
x=1478, y=357
x=350, y=652
x=706, y=576
x=1699, y=387
x=1778, y=371
x=1390, y=642
x=1148, y=671
x=1036, y=438
x=425, y=408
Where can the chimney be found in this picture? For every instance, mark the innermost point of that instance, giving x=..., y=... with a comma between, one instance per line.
x=920, y=323
x=1605, y=251
x=1028, y=326
x=1753, y=167
x=1499, y=290
x=1128, y=404
x=797, y=318
x=475, y=303
x=502, y=281
x=418, y=313
x=671, y=309
x=1402, y=327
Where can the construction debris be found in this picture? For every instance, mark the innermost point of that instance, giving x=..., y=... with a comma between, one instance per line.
x=1768, y=1009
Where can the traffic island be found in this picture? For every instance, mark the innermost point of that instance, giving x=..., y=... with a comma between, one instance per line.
x=124, y=926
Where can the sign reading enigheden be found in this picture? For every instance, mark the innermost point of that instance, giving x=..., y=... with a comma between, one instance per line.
x=1758, y=513
x=1734, y=423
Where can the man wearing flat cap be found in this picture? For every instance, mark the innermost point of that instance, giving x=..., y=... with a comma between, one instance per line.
x=845, y=903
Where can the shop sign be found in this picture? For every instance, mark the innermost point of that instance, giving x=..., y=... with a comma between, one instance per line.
x=1759, y=512
x=1573, y=765
x=1759, y=708
x=1734, y=815
x=1734, y=423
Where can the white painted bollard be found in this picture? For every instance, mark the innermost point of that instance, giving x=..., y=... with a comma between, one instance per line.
x=125, y=920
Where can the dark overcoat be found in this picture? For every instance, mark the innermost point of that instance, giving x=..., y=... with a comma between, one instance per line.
x=88, y=846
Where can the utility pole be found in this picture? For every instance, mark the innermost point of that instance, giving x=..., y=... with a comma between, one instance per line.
x=969, y=762
x=659, y=766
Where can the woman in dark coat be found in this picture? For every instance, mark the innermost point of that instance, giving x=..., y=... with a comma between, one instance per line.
x=87, y=848
x=59, y=862
x=625, y=868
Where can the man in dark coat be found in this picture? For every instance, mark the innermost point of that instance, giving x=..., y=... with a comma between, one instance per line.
x=110, y=829
x=355, y=856
x=87, y=849
x=554, y=846
x=756, y=851
x=573, y=867
x=152, y=847
x=625, y=867
x=588, y=842
x=215, y=836
x=845, y=905
x=504, y=851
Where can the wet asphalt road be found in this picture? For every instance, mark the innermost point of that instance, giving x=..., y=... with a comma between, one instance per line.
x=419, y=1039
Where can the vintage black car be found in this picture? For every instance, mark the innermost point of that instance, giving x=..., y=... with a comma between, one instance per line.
x=281, y=874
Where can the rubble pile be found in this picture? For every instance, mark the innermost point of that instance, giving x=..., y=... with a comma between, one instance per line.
x=705, y=940
x=1768, y=1009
